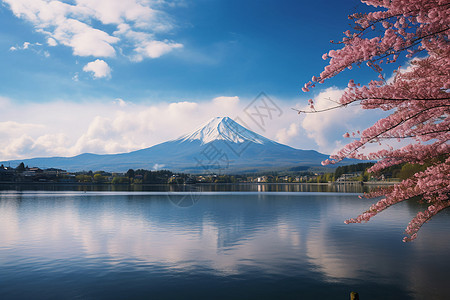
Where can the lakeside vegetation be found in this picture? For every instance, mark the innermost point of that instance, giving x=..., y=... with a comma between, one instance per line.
x=342, y=174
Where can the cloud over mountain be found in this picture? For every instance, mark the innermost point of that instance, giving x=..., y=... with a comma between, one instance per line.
x=220, y=146
x=325, y=127
x=120, y=126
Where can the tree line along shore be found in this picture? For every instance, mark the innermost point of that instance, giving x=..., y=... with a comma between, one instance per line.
x=357, y=173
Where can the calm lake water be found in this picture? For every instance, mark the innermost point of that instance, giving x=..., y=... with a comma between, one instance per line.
x=214, y=245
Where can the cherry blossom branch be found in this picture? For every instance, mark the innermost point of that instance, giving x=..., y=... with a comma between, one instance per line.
x=363, y=29
x=391, y=128
x=415, y=135
x=423, y=217
x=299, y=111
x=418, y=99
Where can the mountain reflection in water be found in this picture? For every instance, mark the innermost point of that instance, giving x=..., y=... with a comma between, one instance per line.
x=224, y=246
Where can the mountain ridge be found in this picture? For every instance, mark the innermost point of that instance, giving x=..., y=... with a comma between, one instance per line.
x=220, y=146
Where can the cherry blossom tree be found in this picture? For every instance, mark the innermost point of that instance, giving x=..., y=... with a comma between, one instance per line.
x=417, y=98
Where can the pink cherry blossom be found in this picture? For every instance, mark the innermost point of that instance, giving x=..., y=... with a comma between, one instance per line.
x=418, y=99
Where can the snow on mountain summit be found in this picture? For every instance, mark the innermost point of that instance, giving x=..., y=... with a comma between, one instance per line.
x=224, y=128
x=220, y=146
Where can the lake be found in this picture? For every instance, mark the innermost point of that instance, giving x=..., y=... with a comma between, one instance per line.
x=214, y=245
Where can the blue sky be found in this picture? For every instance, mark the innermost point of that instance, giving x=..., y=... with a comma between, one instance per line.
x=75, y=73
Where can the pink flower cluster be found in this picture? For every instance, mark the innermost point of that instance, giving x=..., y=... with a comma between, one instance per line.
x=431, y=185
x=418, y=98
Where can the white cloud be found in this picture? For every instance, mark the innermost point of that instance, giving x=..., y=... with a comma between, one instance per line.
x=65, y=128
x=226, y=101
x=71, y=24
x=157, y=167
x=99, y=68
x=51, y=42
x=34, y=47
x=73, y=128
x=119, y=11
x=20, y=146
x=327, y=128
x=284, y=135
x=144, y=44
x=25, y=46
x=120, y=102
x=154, y=49
x=84, y=39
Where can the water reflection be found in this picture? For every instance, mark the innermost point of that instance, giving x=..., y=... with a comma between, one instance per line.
x=298, y=242
x=200, y=187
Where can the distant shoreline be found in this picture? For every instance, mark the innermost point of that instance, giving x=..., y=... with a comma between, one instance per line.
x=198, y=183
x=261, y=187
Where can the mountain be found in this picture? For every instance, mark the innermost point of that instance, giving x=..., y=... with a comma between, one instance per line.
x=221, y=146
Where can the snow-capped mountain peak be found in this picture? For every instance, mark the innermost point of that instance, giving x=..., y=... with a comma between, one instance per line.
x=234, y=149
x=224, y=128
